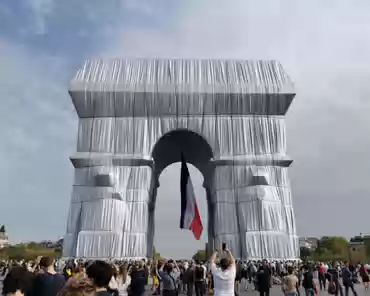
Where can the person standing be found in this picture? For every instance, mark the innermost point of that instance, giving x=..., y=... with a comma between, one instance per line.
x=48, y=282
x=199, y=276
x=264, y=280
x=308, y=282
x=123, y=281
x=169, y=275
x=348, y=280
x=224, y=276
x=290, y=283
x=189, y=280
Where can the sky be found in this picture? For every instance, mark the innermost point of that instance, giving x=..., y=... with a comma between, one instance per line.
x=323, y=45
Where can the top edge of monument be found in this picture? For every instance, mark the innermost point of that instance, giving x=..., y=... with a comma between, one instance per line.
x=182, y=76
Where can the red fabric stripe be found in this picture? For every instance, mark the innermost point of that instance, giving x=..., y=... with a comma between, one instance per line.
x=196, y=225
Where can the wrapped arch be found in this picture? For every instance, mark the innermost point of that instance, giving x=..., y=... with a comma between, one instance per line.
x=130, y=110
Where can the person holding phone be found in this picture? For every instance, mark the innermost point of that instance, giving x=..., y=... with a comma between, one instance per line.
x=223, y=276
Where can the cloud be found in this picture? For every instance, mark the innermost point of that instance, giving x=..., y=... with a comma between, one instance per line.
x=324, y=47
x=41, y=10
x=37, y=126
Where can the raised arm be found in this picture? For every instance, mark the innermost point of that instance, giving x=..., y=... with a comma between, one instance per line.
x=213, y=258
x=230, y=257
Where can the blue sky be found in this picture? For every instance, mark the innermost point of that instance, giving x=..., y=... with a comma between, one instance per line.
x=323, y=46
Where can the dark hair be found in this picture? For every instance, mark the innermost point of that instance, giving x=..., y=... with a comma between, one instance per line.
x=18, y=279
x=224, y=263
x=290, y=269
x=169, y=267
x=100, y=273
x=79, y=268
x=46, y=262
x=122, y=271
x=80, y=287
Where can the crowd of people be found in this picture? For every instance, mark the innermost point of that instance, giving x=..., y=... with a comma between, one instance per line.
x=222, y=275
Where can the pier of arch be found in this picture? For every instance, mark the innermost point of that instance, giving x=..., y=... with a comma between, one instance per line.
x=136, y=117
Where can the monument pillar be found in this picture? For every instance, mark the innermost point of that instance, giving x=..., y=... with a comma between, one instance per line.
x=109, y=212
x=253, y=211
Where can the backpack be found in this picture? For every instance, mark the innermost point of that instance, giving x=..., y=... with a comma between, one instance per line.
x=199, y=273
x=332, y=288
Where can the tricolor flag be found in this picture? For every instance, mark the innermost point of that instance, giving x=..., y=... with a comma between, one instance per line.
x=190, y=218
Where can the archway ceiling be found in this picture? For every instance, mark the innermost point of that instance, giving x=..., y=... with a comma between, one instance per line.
x=169, y=148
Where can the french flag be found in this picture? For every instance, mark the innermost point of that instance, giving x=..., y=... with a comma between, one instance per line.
x=190, y=218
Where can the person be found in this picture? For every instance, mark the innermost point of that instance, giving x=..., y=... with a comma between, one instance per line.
x=263, y=278
x=347, y=280
x=188, y=280
x=123, y=281
x=100, y=273
x=308, y=282
x=169, y=276
x=78, y=287
x=322, y=276
x=18, y=282
x=199, y=279
x=290, y=283
x=48, y=282
x=364, y=276
x=79, y=271
x=138, y=280
x=224, y=276
x=334, y=287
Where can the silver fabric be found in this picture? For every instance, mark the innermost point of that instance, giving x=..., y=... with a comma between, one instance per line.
x=128, y=109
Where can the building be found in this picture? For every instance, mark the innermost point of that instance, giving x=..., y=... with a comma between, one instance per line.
x=359, y=248
x=136, y=117
x=308, y=242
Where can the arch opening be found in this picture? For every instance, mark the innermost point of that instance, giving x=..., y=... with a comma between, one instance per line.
x=166, y=155
x=170, y=146
x=169, y=240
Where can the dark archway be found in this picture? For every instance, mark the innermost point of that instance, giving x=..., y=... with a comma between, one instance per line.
x=197, y=152
x=169, y=147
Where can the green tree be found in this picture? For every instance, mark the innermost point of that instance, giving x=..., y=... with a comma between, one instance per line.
x=157, y=256
x=305, y=253
x=2, y=229
x=332, y=248
x=22, y=251
x=200, y=255
x=337, y=245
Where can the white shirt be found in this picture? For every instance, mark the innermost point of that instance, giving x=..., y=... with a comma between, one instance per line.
x=122, y=287
x=205, y=272
x=113, y=284
x=224, y=281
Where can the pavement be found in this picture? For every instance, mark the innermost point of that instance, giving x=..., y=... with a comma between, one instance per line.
x=276, y=291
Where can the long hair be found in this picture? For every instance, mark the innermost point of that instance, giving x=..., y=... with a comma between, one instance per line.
x=122, y=273
x=78, y=287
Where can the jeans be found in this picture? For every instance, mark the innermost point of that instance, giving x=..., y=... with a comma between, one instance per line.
x=310, y=292
x=199, y=288
x=348, y=286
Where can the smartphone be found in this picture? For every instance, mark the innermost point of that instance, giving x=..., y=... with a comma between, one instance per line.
x=223, y=246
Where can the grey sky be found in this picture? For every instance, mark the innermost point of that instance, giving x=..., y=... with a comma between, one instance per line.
x=323, y=45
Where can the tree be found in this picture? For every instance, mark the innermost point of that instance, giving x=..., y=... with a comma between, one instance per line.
x=337, y=245
x=305, y=253
x=22, y=251
x=331, y=248
x=156, y=256
x=200, y=255
x=2, y=229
